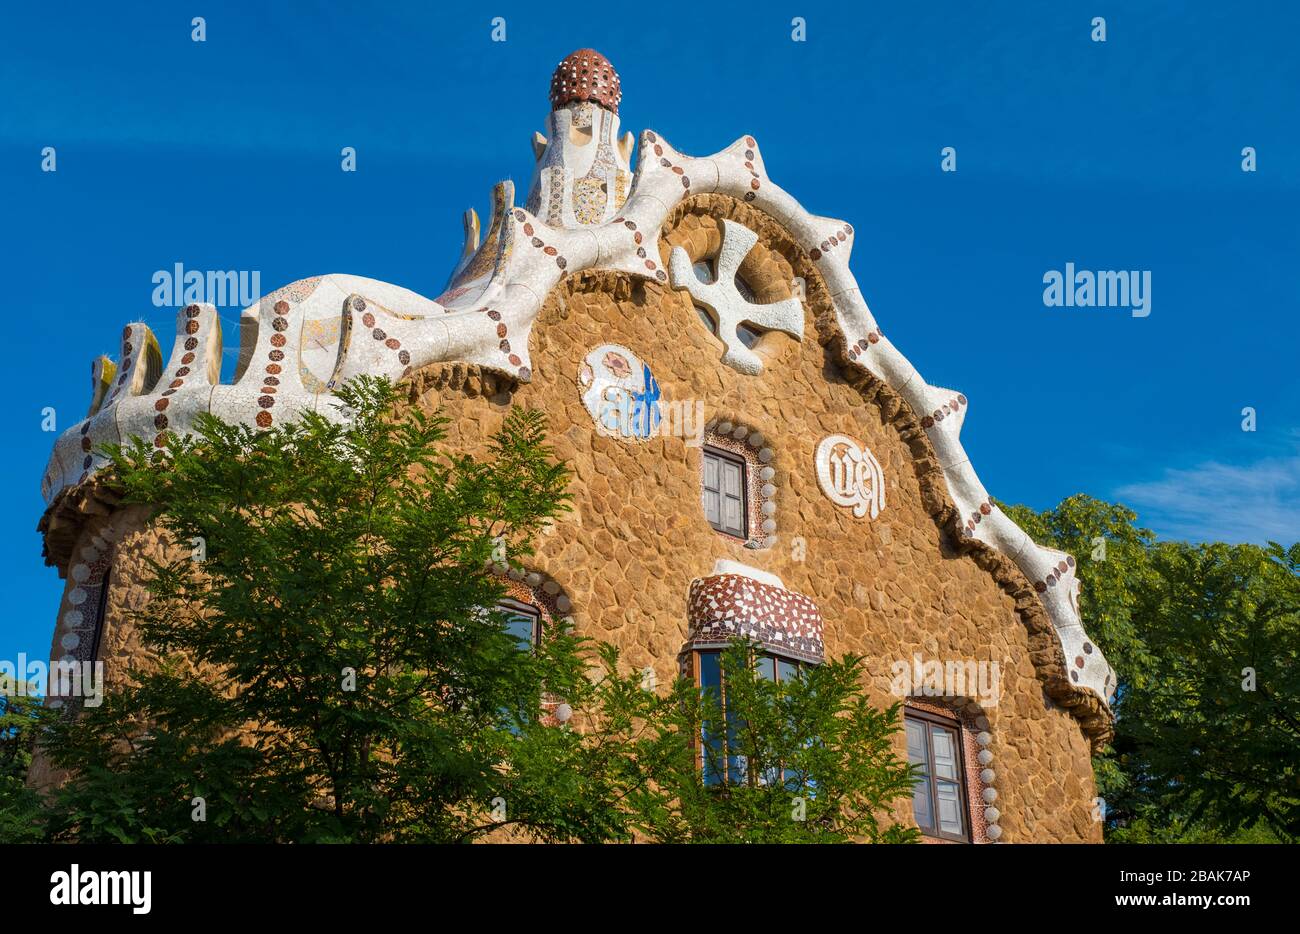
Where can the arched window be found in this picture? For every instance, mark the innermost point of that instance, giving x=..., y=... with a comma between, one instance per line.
x=725, y=492
x=949, y=740
x=737, y=485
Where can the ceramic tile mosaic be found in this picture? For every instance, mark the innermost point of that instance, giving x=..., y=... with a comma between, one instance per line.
x=725, y=606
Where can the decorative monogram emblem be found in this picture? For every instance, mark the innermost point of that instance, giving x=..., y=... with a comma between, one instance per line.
x=850, y=475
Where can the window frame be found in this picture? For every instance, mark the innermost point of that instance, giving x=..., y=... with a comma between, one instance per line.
x=101, y=612
x=722, y=734
x=752, y=334
x=722, y=454
x=953, y=725
x=510, y=605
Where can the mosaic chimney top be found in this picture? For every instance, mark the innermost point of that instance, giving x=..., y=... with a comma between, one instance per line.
x=585, y=75
x=583, y=172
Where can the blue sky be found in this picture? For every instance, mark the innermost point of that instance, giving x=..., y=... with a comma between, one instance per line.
x=1117, y=155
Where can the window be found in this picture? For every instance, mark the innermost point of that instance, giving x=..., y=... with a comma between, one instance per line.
x=522, y=621
x=704, y=272
x=706, y=316
x=748, y=336
x=724, y=492
x=101, y=612
x=939, y=798
x=718, y=741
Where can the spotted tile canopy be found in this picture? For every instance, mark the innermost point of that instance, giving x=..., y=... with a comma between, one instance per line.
x=728, y=605
x=586, y=75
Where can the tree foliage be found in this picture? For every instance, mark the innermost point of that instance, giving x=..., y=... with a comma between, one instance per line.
x=1205, y=639
x=816, y=759
x=22, y=817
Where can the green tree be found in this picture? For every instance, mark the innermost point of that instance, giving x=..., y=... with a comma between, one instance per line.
x=1211, y=738
x=1203, y=751
x=1113, y=565
x=816, y=759
x=22, y=814
x=329, y=671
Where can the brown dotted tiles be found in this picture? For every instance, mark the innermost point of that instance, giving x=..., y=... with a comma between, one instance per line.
x=586, y=75
x=840, y=236
x=539, y=243
x=651, y=140
x=728, y=605
x=952, y=407
x=754, y=182
x=857, y=349
x=976, y=517
x=1054, y=575
x=638, y=239
x=368, y=319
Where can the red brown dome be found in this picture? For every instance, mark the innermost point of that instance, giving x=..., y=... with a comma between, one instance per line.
x=585, y=75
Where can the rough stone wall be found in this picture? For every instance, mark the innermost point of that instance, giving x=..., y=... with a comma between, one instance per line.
x=637, y=536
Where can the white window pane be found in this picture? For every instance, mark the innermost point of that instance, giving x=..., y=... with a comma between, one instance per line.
x=731, y=478
x=921, y=805
x=711, y=471
x=916, y=743
x=945, y=752
x=949, y=798
x=731, y=515
x=712, y=506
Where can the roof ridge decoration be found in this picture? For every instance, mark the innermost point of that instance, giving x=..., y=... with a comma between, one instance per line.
x=486, y=319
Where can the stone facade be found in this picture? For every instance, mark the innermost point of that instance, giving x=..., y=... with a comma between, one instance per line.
x=915, y=581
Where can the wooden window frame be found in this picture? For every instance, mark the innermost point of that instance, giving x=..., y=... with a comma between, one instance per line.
x=954, y=726
x=696, y=653
x=513, y=605
x=743, y=464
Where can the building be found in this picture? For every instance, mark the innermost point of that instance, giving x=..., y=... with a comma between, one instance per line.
x=750, y=455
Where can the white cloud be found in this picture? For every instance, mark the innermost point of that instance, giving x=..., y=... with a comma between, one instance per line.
x=1222, y=502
